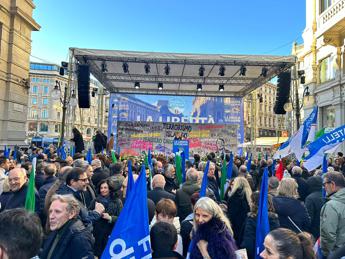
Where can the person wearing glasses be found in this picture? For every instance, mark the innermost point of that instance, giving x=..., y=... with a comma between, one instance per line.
x=76, y=183
x=332, y=216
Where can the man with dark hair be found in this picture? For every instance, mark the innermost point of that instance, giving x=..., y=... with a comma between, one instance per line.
x=20, y=234
x=332, y=216
x=164, y=241
x=98, y=173
x=68, y=237
x=115, y=169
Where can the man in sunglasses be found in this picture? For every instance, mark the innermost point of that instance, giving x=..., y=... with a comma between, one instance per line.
x=332, y=217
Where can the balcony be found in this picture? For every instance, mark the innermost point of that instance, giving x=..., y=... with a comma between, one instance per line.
x=331, y=23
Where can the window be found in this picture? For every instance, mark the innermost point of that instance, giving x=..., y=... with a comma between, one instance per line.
x=58, y=114
x=34, y=101
x=327, y=69
x=44, y=114
x=32, y=126
x=45, y=101
x=46, y=90
x=44, y=127
x=57, y=128
x=328, y=117
x=34, y=114
x=34, y=89
x=324, y=4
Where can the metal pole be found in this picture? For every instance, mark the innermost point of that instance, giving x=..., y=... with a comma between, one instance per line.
x=298, y=108
x=64, y=108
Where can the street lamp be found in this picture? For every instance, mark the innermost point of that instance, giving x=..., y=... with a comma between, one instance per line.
x=66, y=98
x=307, y=98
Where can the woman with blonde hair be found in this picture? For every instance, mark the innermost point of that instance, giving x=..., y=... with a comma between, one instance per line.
x=291, y=212
x=238, y=201
x=212, y=236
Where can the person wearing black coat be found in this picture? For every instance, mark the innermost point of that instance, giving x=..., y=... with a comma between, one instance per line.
x=158, y=192
x=249, y=234
x=314, y=203
x=78, y=140
x=302, y=183
x=291, y=212
x=98, y=142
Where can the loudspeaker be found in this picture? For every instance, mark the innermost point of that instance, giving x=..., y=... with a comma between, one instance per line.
x=283, y=92
x=84, y=86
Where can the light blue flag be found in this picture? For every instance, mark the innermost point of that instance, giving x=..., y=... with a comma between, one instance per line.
x=249, y=163
x=183, y=166
x=262, y=224
x=327, y=143
x=130, y=183
x=130, y=237
x=204, y=181
x=89, y=156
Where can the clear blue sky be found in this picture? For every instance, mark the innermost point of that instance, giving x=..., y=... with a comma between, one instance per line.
x=188, y=26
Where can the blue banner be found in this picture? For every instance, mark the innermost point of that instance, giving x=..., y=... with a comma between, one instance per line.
x=181, y=145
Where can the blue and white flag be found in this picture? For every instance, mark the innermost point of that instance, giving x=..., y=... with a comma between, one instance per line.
x=327, y=143
x=284, y=150
x=131, y=236
x=262, y=224
x=297, y=144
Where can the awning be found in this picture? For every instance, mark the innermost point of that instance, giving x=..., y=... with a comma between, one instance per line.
x=265, y=142
x=179, y=74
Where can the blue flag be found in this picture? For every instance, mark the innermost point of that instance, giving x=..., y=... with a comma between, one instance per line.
x=63, y=153
x=204, y=181
x=229, y=167
x=89, y=156
x=183, y=166
x=247, y=156
x=249, y=163
x=6, y=152
x=149, y=159
x=324, y=170
x=273, y=167
x=15, y=154
x=262, y=225
x=130, y=183
x=130, y=237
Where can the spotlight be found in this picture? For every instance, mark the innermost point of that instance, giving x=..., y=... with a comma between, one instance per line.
x=302, y=80
x=201, y=70
x=199, y=87
x=125, y=67
x=300, y=72
x=167, y=69
x=136, y=85
x=93, y=93
x=160, y=86
x=243, y=70
x=221, y=88
x=221, y=70
x=264, y=72
x=147, y=68
x=104, y=67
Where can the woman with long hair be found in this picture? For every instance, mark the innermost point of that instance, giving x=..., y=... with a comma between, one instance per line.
x=291, y=212
x=284, y=243
x=238, y=201
x=212, y=236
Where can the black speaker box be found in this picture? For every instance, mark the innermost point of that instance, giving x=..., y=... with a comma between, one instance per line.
x=84, y=86
x=283, y=92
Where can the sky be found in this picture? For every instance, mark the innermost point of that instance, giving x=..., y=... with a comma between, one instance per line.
x=183, y=26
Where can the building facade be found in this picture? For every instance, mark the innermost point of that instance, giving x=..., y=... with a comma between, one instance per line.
x=16, y=25
x=44, y=118
x=321, y=57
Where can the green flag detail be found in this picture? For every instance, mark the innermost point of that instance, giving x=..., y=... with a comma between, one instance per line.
x=30, y=194
x=319, y=133
x=178, y=165
x=223, y=180
x=113, y=157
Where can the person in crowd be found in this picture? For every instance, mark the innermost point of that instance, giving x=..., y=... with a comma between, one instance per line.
x=110, y=144
x=212, y=185
x=291, y=212
x=158, y=192
x=238, y=201
x=338, y=253
x=112, y=203
x=20, y=234
x=314, y=202
x=170, y=178
x=187, y=224
x=78, y=141
x=68, y=237
x=212, y=236
x=98, y=142
x=273, y=184
x=89, y=194
x=284, y=243
x=39, y=174
x=18, y=188
x=301, y=182
x=249, y=234
x=163, y=237
x=183, y=195
x=242, y=171
x=197, y=159
x=98, y=173
x=4, y=167
x=332, y=216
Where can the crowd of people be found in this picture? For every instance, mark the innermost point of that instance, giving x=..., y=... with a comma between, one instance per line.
x=78, y=204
